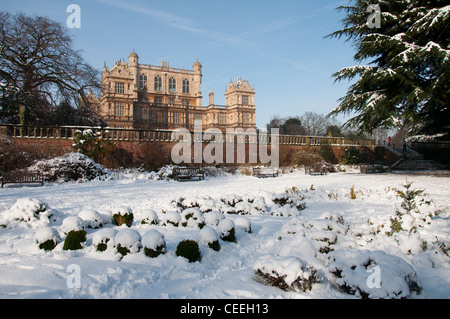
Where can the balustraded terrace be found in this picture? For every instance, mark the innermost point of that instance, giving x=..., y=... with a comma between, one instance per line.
x=166, y=136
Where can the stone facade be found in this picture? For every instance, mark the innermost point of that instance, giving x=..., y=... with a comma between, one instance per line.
x=141, y=96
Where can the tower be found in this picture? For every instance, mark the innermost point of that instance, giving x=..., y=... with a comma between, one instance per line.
x=133, y=64
x=240, y=104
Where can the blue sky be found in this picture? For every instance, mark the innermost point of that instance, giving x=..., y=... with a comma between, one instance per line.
x=278, y=46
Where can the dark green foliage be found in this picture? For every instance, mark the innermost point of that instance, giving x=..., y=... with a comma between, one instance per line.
x=74, y=239
x=326, y=152
x=407, y=79
x=353, y=155
x=154, y=253
x=102, y=246
x=409, y=197
x=214, y=245
x=231, y=237
x=122, y=250
x=48, y=245
x=126, y=219
x=190, y=250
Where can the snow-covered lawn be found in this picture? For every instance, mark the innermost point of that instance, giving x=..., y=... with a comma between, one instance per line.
x=342, y=247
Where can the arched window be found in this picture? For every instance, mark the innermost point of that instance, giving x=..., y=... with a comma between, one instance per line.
x=185, y=86
x=142, y=81
x=172, y=85
x=158, y=85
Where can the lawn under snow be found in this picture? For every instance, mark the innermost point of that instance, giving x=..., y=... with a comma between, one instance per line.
x=337, y=245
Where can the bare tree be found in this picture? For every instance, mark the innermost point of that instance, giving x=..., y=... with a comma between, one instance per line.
x=39, y=68
x=315, y=124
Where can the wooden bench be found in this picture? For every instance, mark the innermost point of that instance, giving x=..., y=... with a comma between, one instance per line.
x=311, y=170
x=366, y=169
x=22, y=178
x=265, y=172
x=185, y=173
x=370, y=168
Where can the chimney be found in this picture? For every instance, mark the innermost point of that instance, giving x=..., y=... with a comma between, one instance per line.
x=211, y=97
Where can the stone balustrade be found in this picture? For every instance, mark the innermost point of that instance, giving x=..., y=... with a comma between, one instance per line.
x=130, y=135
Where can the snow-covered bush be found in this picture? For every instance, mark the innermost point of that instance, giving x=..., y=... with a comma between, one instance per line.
x=91, y=218
x=227, y=230
x=127, y=241
x=154, y=243
x=72, y=223
x=209, y=237
x=47, y=238
x=243, y=223
x=287, y=204
x=104, y=238
x=149, y=217
x=213, y=218
x=192, y=217
x=189, y=249
x=171, y=218
x=373, y=274
x=123, y=215
x=75, y=240
x=69, y=167
x=286, y=273
x=28, y=212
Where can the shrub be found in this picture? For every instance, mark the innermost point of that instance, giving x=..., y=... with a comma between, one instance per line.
x=153, y=156
x=192, y=217
x=326, y=152
x=92, y=144
x=74, y=240
x=149, y=217
x=171, y=218
x=243, y=223
x=29, y=211
x=91, y=218
x=123, y=215
x=227, y=230
x=353, y=156
x=392, y=277
x=306, y=158
x=286, y=273
x=209, y=237
x=127, y=241
x=103, y=238
x=72, y=223
x=47, y=238
x=69, y=167
x=190, y=250
x=154, y=243
x=12, y=157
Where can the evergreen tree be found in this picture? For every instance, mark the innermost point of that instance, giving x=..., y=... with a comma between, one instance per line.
x=407, y=75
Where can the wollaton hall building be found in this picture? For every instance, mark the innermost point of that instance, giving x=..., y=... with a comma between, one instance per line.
x=143, y=96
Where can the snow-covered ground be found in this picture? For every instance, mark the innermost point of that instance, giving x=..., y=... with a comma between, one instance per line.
x=343, y=239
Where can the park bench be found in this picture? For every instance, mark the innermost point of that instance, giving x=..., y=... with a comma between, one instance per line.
x=188, y=173
x=21, y=178
x=370, y=168
x=314, y=170
x=367, y=169
x=265, y=172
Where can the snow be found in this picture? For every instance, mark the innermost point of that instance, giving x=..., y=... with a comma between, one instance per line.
x=72, y=223
x=91, y=218
x=208, y=235
x=225, y=226
x=329, y=231
x=153, y=239
x=149, y=216
x=128, y=238
x=213, y=218
x=47, y=233
x=104, y=236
